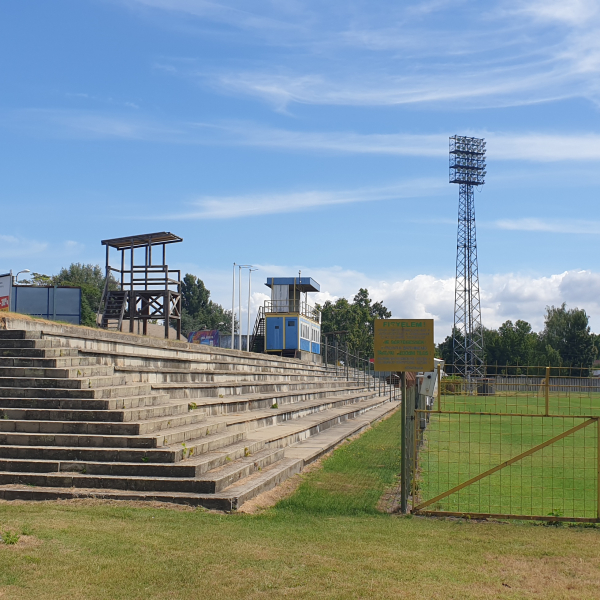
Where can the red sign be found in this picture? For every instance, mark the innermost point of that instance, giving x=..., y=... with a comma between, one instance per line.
x=4, y=303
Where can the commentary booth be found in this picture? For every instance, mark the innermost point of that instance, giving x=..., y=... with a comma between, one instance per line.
x=293, y=327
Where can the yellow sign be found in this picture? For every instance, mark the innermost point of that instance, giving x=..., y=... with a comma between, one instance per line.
x=404, y=345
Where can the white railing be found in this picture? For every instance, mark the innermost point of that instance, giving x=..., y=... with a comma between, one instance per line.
x=293, y=306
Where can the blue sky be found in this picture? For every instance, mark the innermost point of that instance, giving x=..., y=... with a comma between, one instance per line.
x=306, y=135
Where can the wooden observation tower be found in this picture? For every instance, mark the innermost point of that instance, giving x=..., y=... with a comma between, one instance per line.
x=147, y=289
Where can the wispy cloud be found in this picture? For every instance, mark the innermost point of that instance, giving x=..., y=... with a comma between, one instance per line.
x=232, y=207
x=568, y=12
x=80, y=124
x=17, y=247
x=578, y=226
x=509, y=52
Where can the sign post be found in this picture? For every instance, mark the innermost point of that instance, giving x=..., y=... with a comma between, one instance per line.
x=404, y=345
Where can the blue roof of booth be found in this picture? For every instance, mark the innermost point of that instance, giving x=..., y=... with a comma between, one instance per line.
x=304, y=284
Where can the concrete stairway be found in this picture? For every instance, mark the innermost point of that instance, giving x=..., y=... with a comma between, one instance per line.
x=87, y=412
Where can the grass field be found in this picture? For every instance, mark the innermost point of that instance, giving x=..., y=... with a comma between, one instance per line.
x=560, y=479
x=326, y=541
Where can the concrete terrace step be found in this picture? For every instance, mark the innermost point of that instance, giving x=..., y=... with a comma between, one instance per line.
x=84, y=434
x=252, y=420
x=190, y=467
x=157, y=420
x=190, y=430
x=32, y=343
x=51, y=363
x=116, y=391
x=209, y=483
x=172, y=454
x=38, y=352
x=274, y=416
x=16, y=334
x=134, y=416
x=158, y=375
x=250, y=402
x=127, y=402
x=73, y=383
x=194, y=391
x=55, y=373
x=197, y=356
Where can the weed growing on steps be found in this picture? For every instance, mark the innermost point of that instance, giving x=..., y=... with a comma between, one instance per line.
x=192, y=406
x=275, y=405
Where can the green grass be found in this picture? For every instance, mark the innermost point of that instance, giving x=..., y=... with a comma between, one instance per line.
x=353, y=479
x=561, y=479
x=326, y=542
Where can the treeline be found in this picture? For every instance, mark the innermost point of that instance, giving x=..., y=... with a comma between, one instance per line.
x=565, y=341
x=198, y=310
x=356, y=318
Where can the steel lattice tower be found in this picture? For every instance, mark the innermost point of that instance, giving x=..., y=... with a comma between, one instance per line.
x=467, y=168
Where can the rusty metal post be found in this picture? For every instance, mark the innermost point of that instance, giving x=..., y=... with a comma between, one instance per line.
x=547, y=391
x=598, y=469
x=404, y=483
x=439, y=388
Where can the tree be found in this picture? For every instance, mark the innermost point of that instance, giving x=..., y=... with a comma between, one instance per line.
x=38, y=280
x=567, y=332
x=512, y=344
x=357, y=318
x=90, y=278
x=198, y=311
x=445, y=350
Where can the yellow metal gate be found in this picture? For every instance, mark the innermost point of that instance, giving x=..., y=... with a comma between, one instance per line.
x=521, y=445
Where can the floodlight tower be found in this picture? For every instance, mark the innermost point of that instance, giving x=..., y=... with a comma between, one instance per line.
x=467, y=168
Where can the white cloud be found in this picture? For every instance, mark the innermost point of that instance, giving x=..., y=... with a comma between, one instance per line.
x=504, y=296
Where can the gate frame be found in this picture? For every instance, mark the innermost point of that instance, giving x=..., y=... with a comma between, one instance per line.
x=412, y=469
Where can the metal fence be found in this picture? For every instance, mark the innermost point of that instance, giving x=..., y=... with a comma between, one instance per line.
x=506, y=446
x=340, y=360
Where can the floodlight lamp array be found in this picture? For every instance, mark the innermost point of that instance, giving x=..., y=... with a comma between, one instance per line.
x=467, y=160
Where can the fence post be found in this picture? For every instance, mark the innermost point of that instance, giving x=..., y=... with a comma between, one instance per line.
x=598, y=470
x=439, y=388
x=336, y=358
x=326, y=353
x=403, y=471
x=547, y=390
